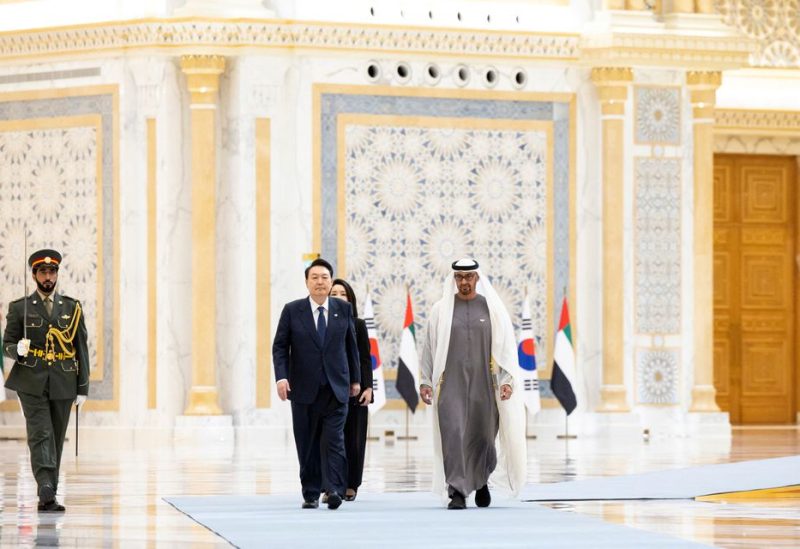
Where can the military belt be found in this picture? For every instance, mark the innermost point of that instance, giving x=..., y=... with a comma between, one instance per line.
x=51, y=356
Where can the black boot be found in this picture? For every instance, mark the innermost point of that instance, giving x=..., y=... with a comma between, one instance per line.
x=482, y=496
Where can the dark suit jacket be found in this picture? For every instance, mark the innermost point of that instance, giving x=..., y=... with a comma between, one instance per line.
x=64, y=377
x=299, y=356
x=364, y=358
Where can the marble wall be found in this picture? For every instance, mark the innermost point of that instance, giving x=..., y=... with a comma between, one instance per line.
x=510, y=175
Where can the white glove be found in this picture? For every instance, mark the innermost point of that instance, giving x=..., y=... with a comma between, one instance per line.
x=79, y=400
x=23, y=346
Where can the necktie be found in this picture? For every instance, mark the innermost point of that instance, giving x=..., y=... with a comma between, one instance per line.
x=321, y=324
x=48, y=305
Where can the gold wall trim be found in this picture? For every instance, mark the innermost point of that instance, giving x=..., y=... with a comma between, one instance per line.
x=791, y=492
x=221, y=34
x=770, y=123
x=672, y=50
x=263, y=262
x=152, y=268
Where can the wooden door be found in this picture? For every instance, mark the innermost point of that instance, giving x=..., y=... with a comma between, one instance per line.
x=754, y=298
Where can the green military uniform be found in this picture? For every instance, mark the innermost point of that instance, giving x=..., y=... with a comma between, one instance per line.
x=48, y=379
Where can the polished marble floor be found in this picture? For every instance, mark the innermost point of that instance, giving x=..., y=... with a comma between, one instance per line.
x=113, y=497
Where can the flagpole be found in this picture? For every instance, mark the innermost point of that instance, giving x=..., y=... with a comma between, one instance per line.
x=566, y=435
x=407, y=436
x=527, y=423
x=370, y=437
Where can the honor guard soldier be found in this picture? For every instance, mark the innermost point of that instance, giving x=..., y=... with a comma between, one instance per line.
x=46, y=336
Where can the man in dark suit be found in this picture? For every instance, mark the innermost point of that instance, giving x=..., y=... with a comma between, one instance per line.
x=46, y=337
x=316, y=367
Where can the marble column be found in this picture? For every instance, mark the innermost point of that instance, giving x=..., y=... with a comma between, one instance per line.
x=612, y=86
x=148, y=74
x=202, y=79
x=702, y=88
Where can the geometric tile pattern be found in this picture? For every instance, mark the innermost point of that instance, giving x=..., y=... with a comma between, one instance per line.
x=657, y=245
x=59, y=160
x=658, y=115
x=48, y=184
x=773, y=25
x=420, y=196
x=657, y=376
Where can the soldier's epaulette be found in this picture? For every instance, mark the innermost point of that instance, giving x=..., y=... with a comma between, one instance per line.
x=16, y=300
x=67, y=297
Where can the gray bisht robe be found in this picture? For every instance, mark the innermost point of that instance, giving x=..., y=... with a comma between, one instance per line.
x=468, y=416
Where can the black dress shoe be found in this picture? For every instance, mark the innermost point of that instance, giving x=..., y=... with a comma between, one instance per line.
x=51, y=507
x=482, y=497
x=313, y=504
x=457, y=501
x=350, y=497
x=334, y=500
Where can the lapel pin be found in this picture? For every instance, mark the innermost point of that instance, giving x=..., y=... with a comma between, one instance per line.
x=34, y=302
x=60, y=302
x=65, y=317
x=335, y=314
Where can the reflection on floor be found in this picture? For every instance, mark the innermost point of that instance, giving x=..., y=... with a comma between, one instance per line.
x=114, y=497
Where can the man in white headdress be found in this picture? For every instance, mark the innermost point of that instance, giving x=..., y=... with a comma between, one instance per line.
x=468, y=366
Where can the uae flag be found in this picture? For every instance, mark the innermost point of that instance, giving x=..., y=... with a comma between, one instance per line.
x=378, y=383
x=408, y=367
x=562, y=381
x=526, y=352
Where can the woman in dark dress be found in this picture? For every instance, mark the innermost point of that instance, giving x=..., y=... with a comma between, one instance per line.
x=355, y=429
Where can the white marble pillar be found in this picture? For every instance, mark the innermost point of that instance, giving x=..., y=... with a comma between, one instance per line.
x=173, y=245
x=141, y=104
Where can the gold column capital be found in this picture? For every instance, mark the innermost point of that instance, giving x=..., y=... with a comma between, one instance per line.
x=612, y=75
x=192, y=64
x=703, y=93
x=202, y=78
x=704, y=79
x=612, y=87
